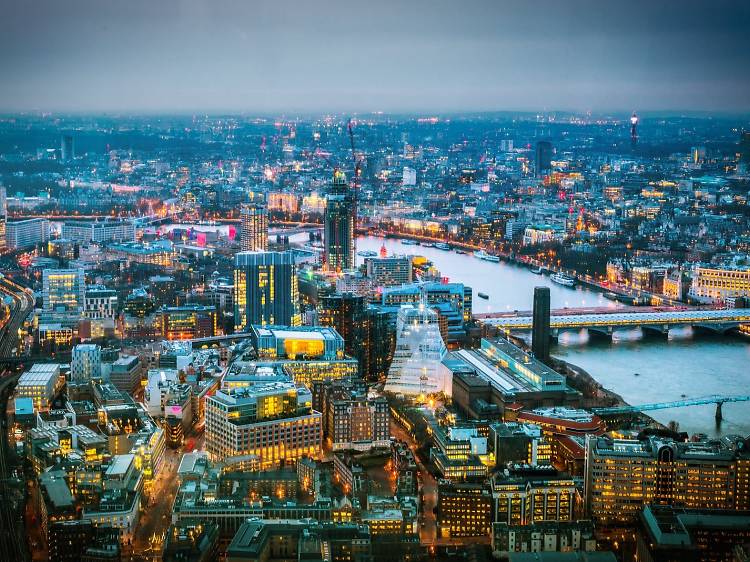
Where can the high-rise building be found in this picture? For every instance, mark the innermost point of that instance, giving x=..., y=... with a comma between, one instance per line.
x=543, y=160
x=188, y=322
x=540, y=332
x=340, y=222
x=274, y=421
x=266, y=290
x=347, y=313
x=416, y=368
x=63, y=289
x=86, y=363
x=67, y=148
x=254, y=235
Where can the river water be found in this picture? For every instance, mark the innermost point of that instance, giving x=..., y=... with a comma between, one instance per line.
x=685, y=364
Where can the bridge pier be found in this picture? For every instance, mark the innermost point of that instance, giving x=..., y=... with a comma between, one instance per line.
x=656, y=330
x=604, y=332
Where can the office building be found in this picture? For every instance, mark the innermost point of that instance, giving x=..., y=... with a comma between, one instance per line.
x=463, y=510
x=188, y=322
x=528, y=495
x=347, y=313
x=339, y=225
x=273, y=421
x=265, y=290
x=100, y=302
x=277, y=541
x=543, y=158
x=254, y=227
x=719, y=285
x=416, y=369
x=41, y=383
x=86, y=363
x=351, y=419
x=499, y=375
x=666, y=533
x=26, y=233
x=389, y=270
x=624, y=475
x=99, y=231
x=518, y=443
x=125, y=374
x=540, y=331
x=4, y=244
x=63, y=290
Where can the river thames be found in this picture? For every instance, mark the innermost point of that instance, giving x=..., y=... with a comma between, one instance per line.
x=684, y=364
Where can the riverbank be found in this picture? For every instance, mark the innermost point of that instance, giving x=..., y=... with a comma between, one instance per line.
x=594, y=394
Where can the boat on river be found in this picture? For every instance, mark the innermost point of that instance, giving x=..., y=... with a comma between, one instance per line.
x=562, y=279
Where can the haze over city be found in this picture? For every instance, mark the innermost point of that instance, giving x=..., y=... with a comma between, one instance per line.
x=293, y=56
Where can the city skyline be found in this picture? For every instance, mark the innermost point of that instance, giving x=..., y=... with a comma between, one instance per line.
x=192, y=56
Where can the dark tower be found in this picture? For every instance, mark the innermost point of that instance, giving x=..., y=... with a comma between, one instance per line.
x=543, y=162
x=634, y=128
x=339, y=224
x=540, y=332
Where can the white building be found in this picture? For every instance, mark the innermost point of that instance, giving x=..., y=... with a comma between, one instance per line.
x=40, y=383
x=417, y=361
x=104, y=231
x=409, y=176
x=720, y=284
x=157, y=387
x=27, y=233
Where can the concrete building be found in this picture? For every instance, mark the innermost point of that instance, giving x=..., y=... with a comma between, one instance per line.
x=27, y=233
x=390, y=270
x=63, y=290
x=624, y=475
x=274, y=421
x=86, y=363
x=41, y=383
x=99, y=231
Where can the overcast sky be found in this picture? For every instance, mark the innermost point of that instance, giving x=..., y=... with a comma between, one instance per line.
x=389, y=55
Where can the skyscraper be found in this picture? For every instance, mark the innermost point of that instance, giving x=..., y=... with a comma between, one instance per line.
x=540, y=334
x=254, y=235
x=265, y=290
x=340, y=221
x=67, y=148
x=347, y=313
x=63, y=289
x=543, y=161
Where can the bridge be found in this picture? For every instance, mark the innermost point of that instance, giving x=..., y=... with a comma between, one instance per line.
x=605, y=323
x=712, y=399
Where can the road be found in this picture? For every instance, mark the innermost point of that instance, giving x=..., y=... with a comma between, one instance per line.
x=11, y=522
x=22, y=303
x=428, y=525
x=157, y=515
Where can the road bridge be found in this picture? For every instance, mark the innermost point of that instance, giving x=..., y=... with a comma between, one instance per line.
x=605, y=323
